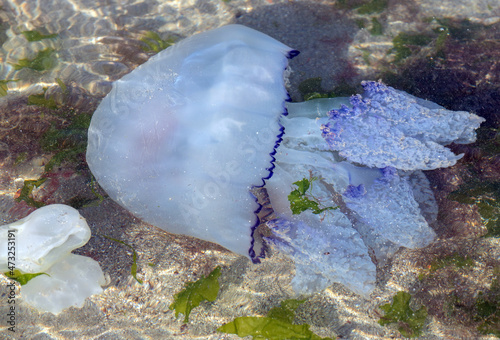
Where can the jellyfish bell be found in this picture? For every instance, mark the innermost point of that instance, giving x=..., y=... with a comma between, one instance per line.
x=182, y=139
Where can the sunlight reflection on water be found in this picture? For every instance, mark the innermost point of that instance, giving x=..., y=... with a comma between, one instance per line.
x=96, y=42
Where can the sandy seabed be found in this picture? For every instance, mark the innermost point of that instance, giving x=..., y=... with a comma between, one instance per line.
x=98, y=43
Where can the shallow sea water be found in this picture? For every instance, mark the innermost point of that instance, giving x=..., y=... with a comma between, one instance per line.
x=48, y=83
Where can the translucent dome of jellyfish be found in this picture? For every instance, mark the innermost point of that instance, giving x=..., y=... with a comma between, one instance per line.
x=183, y=139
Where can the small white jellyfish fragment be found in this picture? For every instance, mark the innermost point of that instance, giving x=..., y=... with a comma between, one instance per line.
x=42, y=243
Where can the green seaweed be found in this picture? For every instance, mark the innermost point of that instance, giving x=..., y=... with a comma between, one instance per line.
x=374, y=6
x=22, y=278
x=488, y=307
x=41, y=100
x=27, y=189
x=300, y=198
x=63, y=86
x=37, y=36
x=315, y=95
x=69, y=142
x=276, y=325
x=92, y=202
x=349, y=4
x=463, y=30
x=343, y=90
x=443, y=36
x=486, y=196
x=205, y=288
x=366, y=56
x=311, y=89
x=48, y=101
x=154, y=43
x=455, y=261
x=488, y=140
x=491, y=325
x=311, y=85
x=44, y=60
x=377, y=28
x=133, y=268
x=286, y=311
x=451, y=260
x=74, y=135
x=485, y=308
x=404, y=42
x=361, y=23
x=410, y=322
x=3, y=87
x=21, y=157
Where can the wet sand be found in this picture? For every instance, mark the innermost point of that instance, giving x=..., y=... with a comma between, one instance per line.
x=98, y=44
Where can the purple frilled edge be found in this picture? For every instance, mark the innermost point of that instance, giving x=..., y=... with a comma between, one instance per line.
x=254, y=256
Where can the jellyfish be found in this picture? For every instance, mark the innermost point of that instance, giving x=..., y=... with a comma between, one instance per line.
x=182, y=141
